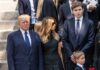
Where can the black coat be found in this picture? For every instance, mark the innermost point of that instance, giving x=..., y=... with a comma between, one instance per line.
x=78, y=68
x=49, y=9
x=21, y=57
x=97, y=52
x=65, y=13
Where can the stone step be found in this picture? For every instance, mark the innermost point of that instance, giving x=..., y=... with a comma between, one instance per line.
x=8, y=15
x=8, y=25
x=3, y=55
x=6, y=5
x=3, y=44
x=4, y=34
x=3, y=66
x=3, y=62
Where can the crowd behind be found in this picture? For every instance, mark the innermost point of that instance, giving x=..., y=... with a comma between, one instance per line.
x=55, y=35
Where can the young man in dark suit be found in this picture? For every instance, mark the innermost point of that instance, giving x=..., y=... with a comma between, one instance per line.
x=78, y=34
x=65, y=12
x=24, y=47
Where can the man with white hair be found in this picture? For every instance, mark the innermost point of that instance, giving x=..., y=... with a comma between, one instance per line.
x=23, y=47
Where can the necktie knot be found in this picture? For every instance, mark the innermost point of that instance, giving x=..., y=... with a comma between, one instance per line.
x=78, y=20
x=25, y=33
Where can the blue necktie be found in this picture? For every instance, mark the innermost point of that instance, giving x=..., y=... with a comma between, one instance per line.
x=27, y=40
x=77, y=31
x=77, y=27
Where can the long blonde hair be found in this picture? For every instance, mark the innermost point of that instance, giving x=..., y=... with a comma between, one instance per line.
x=46, y=29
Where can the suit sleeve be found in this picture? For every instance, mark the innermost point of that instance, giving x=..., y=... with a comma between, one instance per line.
x=91, y=35
x=10, y=53
x=77, y=68
x=65, y=40
x=41, y=60
x=20, y=7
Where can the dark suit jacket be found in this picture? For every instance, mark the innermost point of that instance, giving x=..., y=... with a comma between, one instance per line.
x=78, y=68
x=21, y=57
x=61, y=2
x=86, y=36
x=98, y=9
x=24, y=6
x=97, y=52
x=65, y=13
x=49, y=9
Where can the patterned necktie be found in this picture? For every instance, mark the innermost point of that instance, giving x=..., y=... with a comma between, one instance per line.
x=27, y=40
x=77, y=31
x=77, y=27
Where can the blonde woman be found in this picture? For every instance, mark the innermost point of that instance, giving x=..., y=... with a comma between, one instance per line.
x=50, y=42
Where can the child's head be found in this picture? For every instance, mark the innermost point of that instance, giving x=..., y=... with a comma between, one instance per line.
x=79, y=57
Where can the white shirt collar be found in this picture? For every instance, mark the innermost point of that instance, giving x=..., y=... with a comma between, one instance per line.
x=80, y=19
x=24, y=31
x=80, y=65
x=28, y=34
x=80, y=22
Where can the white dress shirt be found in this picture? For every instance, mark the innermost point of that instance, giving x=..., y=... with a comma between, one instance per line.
x=28, y=34
x=80, y=23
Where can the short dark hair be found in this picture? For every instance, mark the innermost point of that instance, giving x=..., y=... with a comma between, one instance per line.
x=76, y=4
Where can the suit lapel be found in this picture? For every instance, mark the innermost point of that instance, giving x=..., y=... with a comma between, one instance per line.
x=33, y=41
x=72, y=26
x=22, y=40
x=83, y=30
x=31, y=38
